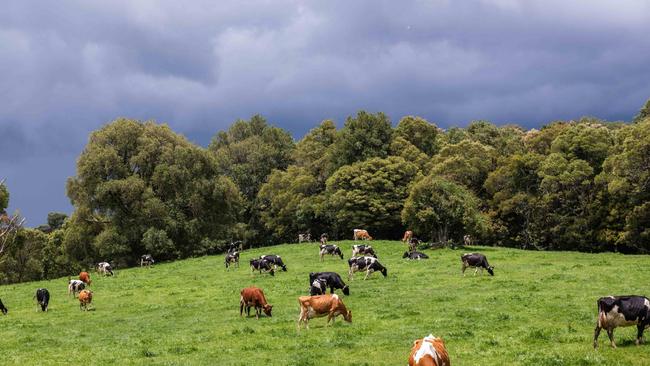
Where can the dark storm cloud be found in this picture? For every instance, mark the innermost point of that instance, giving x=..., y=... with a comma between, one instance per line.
x=71, y=66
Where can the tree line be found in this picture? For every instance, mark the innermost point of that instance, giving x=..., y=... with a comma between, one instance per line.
x=142, y=188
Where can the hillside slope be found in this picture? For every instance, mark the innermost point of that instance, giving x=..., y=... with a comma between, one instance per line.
x=538, y=309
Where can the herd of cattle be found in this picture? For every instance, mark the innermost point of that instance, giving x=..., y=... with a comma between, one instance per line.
x=613, y=311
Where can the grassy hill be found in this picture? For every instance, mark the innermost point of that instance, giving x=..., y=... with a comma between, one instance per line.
x=539, y=309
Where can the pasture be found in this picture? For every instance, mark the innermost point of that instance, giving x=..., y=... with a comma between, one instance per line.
x=538, y=309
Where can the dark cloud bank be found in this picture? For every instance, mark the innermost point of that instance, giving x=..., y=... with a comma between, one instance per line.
x=70, y=66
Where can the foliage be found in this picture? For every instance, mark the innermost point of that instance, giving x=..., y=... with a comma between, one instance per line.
x=314, y=152
x=363, y=137
x=467, y=162
x=420, y=133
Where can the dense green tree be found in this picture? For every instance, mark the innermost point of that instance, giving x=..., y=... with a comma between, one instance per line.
x=363, y=137
x=55, y=220
x=467, y=162
x=403, y=148
x=23, y=259
x=586, y=141
x=370, y=195
x=315, y=153
x=4, y=198
x=420, y=133
x=644, y=113
x=443, y=210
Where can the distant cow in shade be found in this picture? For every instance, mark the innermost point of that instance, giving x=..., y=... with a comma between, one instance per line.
x=42, y=298
x=232, y=258
x=146, y=260
x=415, y=255
x=476, y=260
x=429, y=351
x=408, y=234
x=622, y=311
x=105, y=268
x=360, y=234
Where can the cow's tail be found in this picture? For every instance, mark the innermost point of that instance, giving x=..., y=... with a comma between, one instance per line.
x=602, y=316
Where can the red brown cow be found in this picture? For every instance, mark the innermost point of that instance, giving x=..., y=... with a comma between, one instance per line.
x=321, y=305
x=85, y=298
x=408, y=234
x=429, y=351
x=361, y=235
x=85, y=277
x=254, y=297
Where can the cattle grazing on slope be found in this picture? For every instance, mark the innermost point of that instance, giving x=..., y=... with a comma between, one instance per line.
x=622, y=311
x=321, y=305
x=332, y=280
x=105, y=269
x=304, y=237
x=85, y=298
x=408, y=234
x=232, y=258
x=415, y=255
x=146, y=260
x=85, y=277
x=262, y=265
x=476, y=260
x=42, y=298
x=368, y=264
x=323, y=238
x=331, y=250
x=276, y=260
x=235, y=246
x=429, y=351
x=318, y=287
x=363, y=250
x=3, y=308
x=361, y=234
x=254, y=297
x=75, y=286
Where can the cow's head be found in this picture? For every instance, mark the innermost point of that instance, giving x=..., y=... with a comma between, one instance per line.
x=490, y=270
x=348, y=316
x=384, y=271
x=267, y=309
x=369, y=237
x=346, y=290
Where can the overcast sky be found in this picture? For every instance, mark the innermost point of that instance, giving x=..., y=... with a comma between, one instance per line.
x=68, y=67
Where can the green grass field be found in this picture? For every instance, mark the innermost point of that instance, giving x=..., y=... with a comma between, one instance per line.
x=539, y=309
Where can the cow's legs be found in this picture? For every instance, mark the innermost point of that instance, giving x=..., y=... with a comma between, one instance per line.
x=463, y=268
x=639, y=335
x=241, y=307
x=258, y=311
x=596, y=334
x=475, y=271
x=367, y=274
x=350, y=272
x=610, y=334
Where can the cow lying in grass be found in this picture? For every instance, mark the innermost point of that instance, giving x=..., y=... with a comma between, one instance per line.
x=429, y=351
x=622, y=311
x=415, y=255
x=321, y=305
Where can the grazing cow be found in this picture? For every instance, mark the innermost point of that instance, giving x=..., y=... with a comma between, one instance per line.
x=232, y=258
x=415, y=255
x=304, y=237
x=476, y=260
x=332, y=280
x=235, y=246
x=85, y=277
x=408, y=234
x=622, y=311
x=262, y=265
x=276, y=260
x=85, y=298
x=429, y=351
x=3, y=308
x=467, y=239
x=75, y=286
x=361, y=235
x=363, y=250
x=321, y=305
x=330, y=249
x=105, y=269
x=42, y=298
x=369, y=264
x=323, y=238
x=254, y=297
x=146, y=260
x=318, y=287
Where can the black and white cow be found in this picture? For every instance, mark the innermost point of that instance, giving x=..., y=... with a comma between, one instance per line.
x=75, y=286
x=105, y=269
x=146, y=260
x=42, y=298
x=368, y=264
x=323, y=238
x=330, y=249
x=232, y=258
x=476, y=260
x=622, y=311
x=415, y=255
x=262, y=265
x=3, y=308
x=235, y=246
x=318, y=287
x=363, y=250
x=413, y=244
x=276, y=260
x=332, y=280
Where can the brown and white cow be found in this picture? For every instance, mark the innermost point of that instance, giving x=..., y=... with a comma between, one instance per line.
x=361, y=235
x=85, y=298
x=622, y=311
x=321, y=305
x=429, y=351
x=408, y=234
x=254, y=297
x=85, y=278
